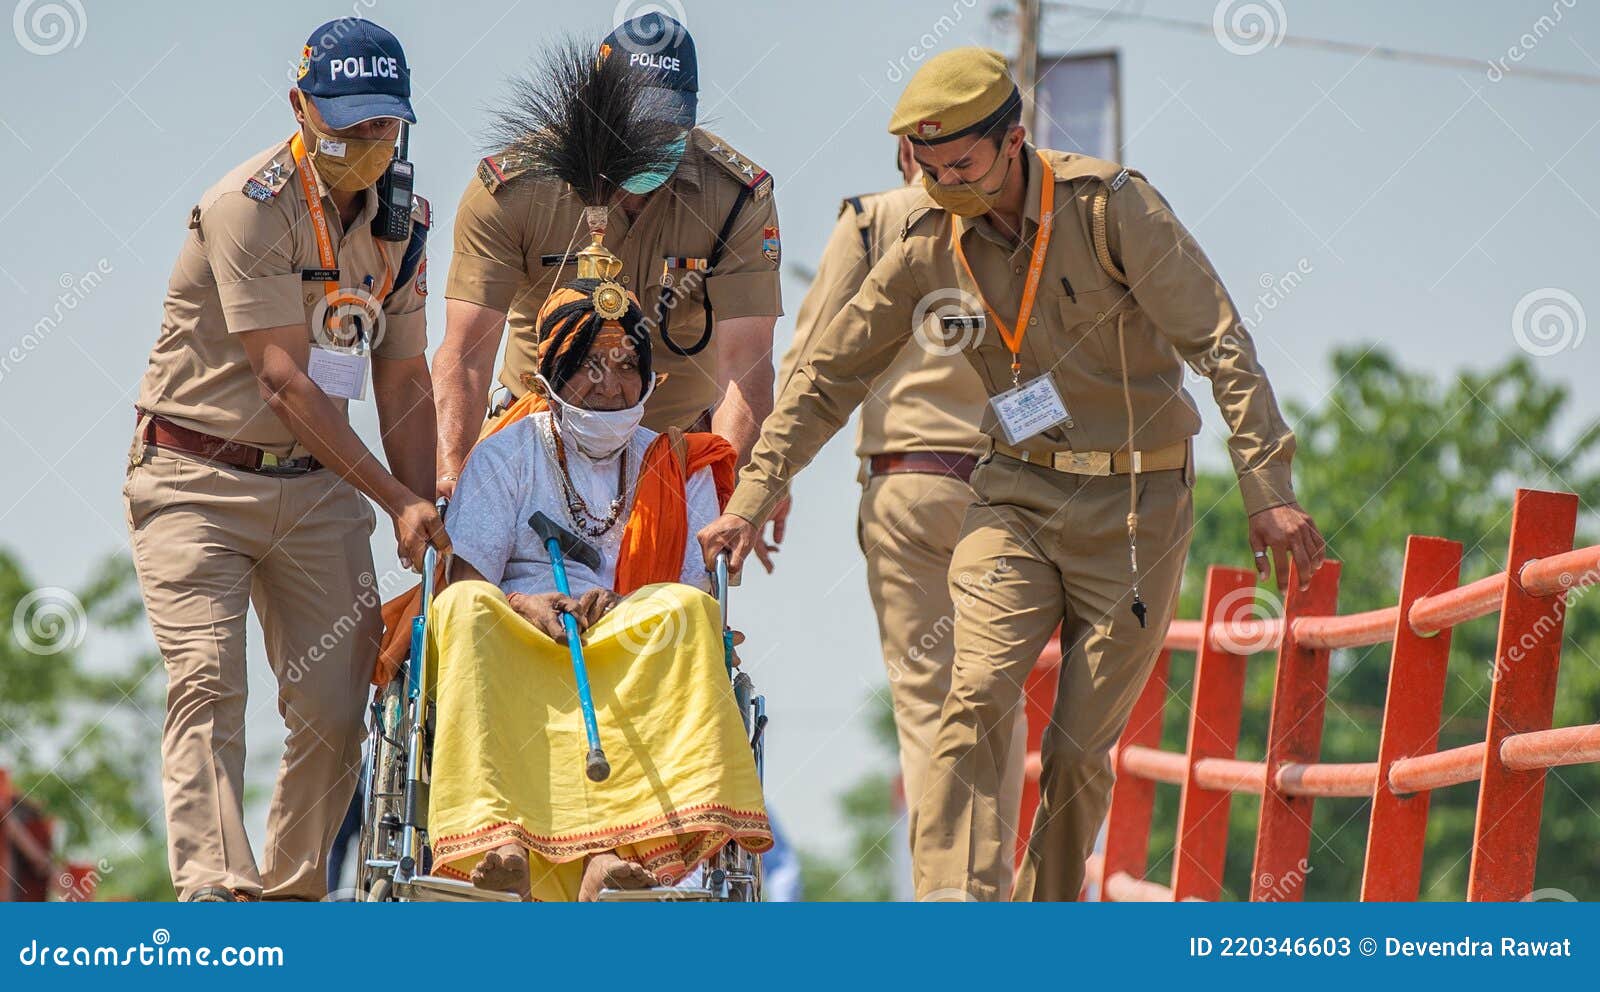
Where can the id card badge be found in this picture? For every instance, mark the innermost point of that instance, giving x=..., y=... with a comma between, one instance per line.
x=340, y=374
x=1029, y=409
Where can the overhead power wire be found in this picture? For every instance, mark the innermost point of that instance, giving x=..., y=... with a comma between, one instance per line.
x=1514, y=68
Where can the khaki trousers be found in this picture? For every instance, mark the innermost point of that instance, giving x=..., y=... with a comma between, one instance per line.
x=208, y=541
x=909, y=524
x=1043, y=548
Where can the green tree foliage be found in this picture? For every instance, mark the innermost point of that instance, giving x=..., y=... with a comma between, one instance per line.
x=1387, y=453
x=82, y=740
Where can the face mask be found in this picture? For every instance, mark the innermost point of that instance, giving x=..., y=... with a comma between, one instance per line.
x=348, y=164
x=597, y=433
x=649, y=182
x=968, y=199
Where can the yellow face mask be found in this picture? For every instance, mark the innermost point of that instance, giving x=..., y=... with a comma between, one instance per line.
x=968, y=199
x=347, y=164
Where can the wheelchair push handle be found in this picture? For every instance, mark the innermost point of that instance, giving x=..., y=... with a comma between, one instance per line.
x=721, y=582
x=430, y=557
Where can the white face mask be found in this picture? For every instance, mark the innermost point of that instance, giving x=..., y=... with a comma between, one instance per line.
x=598, y=434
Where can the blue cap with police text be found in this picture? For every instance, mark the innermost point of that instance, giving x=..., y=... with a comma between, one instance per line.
x=656, y=44
x=356, y=71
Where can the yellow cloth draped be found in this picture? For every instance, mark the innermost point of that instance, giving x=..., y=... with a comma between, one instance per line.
x=509, y=746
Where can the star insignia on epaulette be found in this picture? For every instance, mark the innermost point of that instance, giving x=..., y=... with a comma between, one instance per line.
x=272, y=175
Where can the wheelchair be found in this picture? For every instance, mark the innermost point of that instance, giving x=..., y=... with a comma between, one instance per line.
x=395, y=860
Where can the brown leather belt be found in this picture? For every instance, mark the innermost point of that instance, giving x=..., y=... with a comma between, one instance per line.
x=955, y=464
x=1172, y=456
x=164, y=433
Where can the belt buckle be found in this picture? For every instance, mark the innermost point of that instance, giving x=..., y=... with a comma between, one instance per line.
x=270, y=460
x=1084, y=462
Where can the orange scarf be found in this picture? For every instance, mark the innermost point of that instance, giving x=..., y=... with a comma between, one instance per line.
x=652, y=542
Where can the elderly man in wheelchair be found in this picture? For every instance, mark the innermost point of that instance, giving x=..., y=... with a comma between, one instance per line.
x=509, y=807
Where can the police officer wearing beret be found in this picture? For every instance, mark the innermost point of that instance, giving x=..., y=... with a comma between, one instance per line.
x=1077, y=296
x=245, y=480
x=918, y=442
x=699, y=244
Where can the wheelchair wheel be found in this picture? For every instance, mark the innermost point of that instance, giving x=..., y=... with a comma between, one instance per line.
x=380, y=822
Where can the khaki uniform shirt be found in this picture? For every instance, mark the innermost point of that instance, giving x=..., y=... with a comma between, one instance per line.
x=1174, y=309
x=240, y=269
x=929, y=398
x=516, y=239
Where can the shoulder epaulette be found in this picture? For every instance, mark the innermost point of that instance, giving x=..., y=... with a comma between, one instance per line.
x=495, y=171
x=268, y=181
x=744, y=171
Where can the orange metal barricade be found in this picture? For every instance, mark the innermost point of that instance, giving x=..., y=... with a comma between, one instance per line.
x=1519, y=744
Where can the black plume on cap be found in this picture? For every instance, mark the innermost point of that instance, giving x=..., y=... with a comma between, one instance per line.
x=584, y=120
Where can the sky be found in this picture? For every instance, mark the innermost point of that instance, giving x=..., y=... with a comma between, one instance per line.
x=1450, y=214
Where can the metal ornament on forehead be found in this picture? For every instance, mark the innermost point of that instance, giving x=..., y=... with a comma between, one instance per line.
x=597, y=262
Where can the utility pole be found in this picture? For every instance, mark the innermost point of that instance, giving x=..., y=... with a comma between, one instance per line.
x=1028, y=60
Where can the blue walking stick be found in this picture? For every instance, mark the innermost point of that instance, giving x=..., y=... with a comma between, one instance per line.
x=561, y=544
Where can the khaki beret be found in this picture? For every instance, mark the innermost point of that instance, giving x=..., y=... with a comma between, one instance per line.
x=960, y=91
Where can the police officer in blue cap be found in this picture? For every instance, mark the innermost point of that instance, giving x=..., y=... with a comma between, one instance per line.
x=699, y=244
x=297, y=283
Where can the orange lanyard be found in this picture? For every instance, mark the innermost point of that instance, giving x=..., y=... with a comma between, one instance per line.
x=326, y=255
x=1030, y=288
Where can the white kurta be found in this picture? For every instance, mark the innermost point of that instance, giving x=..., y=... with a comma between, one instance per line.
x=514, y=473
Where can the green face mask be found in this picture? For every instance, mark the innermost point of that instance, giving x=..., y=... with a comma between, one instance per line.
x=648, y=182
x=968, y=199
x=347, y=164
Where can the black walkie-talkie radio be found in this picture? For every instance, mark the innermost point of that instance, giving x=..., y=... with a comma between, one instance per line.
x=393, y=219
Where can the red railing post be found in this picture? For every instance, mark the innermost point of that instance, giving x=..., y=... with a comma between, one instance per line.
x=1133, y=798
x=1527, y=657
x=1294, y=734
x=1411, y=712
x=1202, y=843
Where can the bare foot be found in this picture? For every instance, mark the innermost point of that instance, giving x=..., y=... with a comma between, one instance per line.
x=607, y=870
x=504, y=869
